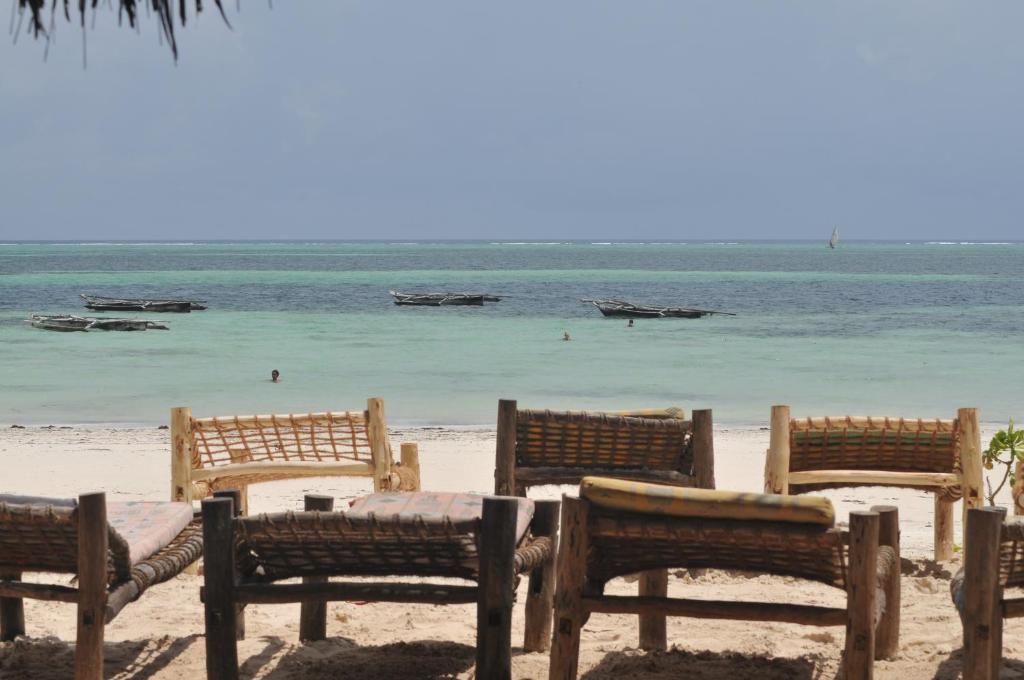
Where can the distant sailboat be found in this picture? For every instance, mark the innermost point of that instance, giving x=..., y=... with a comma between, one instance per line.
x=835, y=238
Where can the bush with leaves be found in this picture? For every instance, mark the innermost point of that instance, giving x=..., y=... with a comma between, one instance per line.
x=1005, y=451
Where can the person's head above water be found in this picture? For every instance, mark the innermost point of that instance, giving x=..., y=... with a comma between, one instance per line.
x=274, y=375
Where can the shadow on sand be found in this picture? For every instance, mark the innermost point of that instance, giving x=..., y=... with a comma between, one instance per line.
x=697, y=665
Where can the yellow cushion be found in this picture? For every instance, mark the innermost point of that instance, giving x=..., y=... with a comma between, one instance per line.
x=669, y=413
x=659, y=499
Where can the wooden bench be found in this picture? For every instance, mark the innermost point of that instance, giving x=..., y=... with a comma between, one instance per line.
x=830, y=452
x=233, y=452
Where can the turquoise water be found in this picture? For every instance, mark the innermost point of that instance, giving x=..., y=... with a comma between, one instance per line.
x=916, y=329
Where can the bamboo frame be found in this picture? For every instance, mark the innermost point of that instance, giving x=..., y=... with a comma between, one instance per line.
x=227, y=589
x=959, y=475
x=237, y=451
x=512, y=478
x=102, y=589
x=871, y=582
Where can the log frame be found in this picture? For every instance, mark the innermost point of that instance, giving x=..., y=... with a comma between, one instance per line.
x=540, y=593
x=859, y=656
x=496, y=592
x=92, y=586
x=983, y=596
x=219, y=579
x=313, y=613
x=505, y=454
x=12, y=609
x=776, y=470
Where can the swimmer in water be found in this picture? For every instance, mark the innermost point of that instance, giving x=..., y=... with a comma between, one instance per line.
x=274, y=375
x=565, y=336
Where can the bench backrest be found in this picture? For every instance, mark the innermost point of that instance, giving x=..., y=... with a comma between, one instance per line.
x=560, y=447
x=870, y=443
x=272, y=447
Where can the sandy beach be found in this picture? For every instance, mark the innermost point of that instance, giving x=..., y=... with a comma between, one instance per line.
x=160, y=636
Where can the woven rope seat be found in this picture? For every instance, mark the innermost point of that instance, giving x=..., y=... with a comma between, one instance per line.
x=875, y=443
x=44, y=538
x=284, y=545
x=653, y=534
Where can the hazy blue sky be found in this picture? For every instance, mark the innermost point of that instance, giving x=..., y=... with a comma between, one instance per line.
x=576, y=119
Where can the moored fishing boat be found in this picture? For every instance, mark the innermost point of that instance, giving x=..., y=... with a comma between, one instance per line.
x=106, y=304
x=70, y=322
x=621, y=308
x=442, y=299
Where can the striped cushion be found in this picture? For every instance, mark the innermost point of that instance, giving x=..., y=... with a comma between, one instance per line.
x=15, y=499
x=658, y=499
x=433, y=507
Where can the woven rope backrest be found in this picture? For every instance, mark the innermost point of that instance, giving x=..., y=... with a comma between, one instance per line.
x=290, y=544
x=873, y=443
x=45, y=538
x=592, y=440
x=1011, y=554
x=623, y=543
x=307, y=437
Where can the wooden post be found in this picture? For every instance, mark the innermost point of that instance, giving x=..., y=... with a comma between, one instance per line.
x=235, y=496
x=982, y=608
x=410, y=456
x=859, y=660
x=653, y=583
x=12, y=611
x=377, y=433
x=181, y=454
x=887, y=633
x=970, y=459
x=541, y=593
x=92, y=585
x=505, y=457
x=571, y=569
x=704, y=449
x=313, y=613
x=776, y=469
x=943, y=529
x=495, y=593
x=219, y=590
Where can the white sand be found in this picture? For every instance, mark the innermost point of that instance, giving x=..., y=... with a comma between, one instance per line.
x=160, y=636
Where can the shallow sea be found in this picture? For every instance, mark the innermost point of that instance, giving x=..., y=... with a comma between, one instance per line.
x=870, y=328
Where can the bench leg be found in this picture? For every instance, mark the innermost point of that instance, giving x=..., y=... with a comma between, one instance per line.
x=653, y=583
x=12, y=612
x=219, y=592
x=859, y=659
x=313, y=614
x=982, y=615
x=92, y=586
x=541, y=594
x=943, y=529
x=570, y=567
x=495, y=592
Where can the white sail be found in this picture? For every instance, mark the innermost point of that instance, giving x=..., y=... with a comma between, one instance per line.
x=835, y=237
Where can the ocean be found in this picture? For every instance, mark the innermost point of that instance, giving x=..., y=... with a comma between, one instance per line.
x=898, y=328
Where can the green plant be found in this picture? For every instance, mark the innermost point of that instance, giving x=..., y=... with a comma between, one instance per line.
x=1005, y=450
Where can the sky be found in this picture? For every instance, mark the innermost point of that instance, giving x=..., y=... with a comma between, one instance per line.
x=577, y=119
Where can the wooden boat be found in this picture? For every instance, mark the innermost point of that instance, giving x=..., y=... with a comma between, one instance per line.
x=620, y=308
x=832, y=242
x=105, y=304
x=442, y=299
x=69, y=322
x=59, y=323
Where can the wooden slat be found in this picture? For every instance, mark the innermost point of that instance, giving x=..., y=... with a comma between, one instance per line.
x=214, y=423
x=1013, y=607
x=871, y=423
x=293, y=469
x=810, y=615
x=868, y=477
x=38, y=591
x=277, y=593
